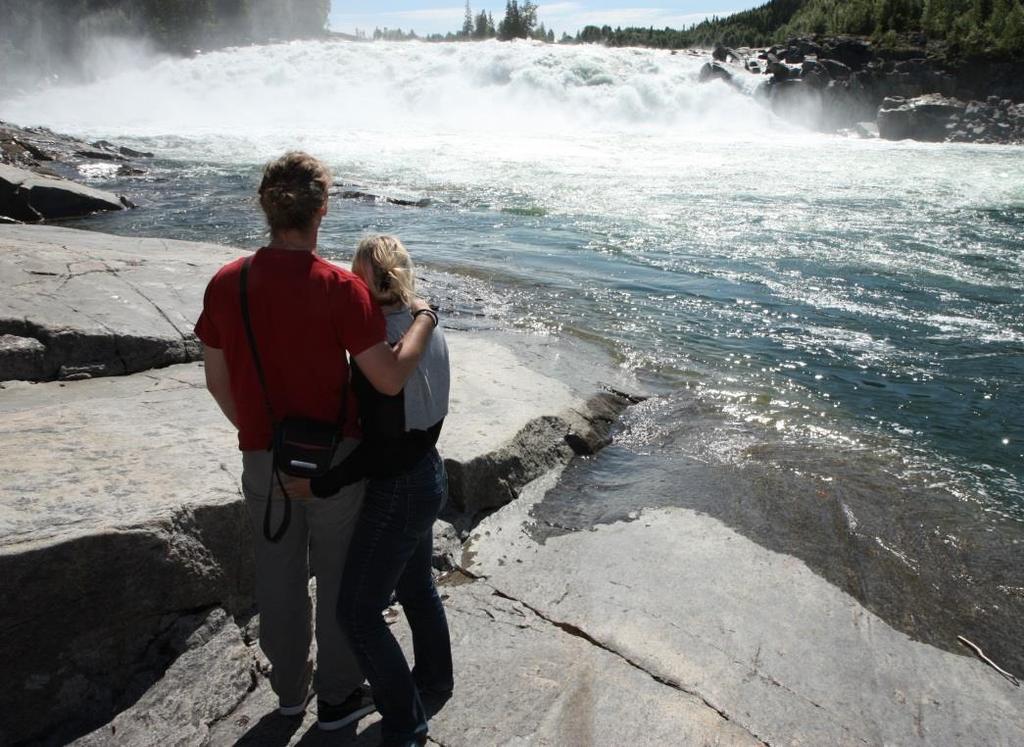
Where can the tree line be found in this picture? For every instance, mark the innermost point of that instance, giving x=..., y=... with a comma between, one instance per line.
x=967, y=27
x=519, y=22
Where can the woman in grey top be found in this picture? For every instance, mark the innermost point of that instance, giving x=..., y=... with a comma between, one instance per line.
x=391, y=550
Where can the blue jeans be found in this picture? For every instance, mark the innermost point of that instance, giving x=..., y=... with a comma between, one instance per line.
x=390, y=552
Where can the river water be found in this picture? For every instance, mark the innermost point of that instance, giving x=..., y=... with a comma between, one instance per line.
x=833, y=328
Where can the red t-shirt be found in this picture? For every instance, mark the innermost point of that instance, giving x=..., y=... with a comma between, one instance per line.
x=305, y=313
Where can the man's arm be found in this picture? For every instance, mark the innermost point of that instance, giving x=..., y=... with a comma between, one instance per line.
x=388, y=368
x=218, y=382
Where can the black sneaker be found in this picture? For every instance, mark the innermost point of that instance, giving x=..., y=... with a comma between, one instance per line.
x=330, y=717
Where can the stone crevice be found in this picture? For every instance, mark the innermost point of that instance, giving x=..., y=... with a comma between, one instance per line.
x=578, y=632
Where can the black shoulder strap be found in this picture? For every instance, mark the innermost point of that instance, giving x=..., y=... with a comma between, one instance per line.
x=286, y=520
x=244, y=291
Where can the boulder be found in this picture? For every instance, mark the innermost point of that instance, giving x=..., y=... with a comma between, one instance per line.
x=853, y=52
x=114, y=305
x=722, y=54
x=923, y=118
x=801, y=47
x=714, y=71
x=815, y=74
x=836, y=69
x=30, y=197
x=213, y=673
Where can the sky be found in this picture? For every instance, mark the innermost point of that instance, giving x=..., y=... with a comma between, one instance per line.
x=440, y=16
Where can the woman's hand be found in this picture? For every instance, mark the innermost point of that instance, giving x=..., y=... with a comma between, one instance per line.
x=297, y=487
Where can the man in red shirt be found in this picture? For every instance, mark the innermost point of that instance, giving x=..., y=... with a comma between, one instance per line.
x=305, y=314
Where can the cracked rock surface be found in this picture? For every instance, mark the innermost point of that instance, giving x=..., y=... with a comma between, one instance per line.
x=520, y=680
x=98, y=305
x=122, y=529
x=752, y=633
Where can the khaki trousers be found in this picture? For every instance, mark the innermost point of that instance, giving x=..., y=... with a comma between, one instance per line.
x=318, y=535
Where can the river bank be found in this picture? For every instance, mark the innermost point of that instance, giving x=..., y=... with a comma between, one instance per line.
x=127, y=589
x=123, y=539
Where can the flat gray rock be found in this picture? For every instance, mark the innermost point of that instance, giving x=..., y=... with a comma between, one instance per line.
x=773, y=647
x=98, y=304
x=121, y=511
x=29, y=197
x=519, y=680
x=209, y=680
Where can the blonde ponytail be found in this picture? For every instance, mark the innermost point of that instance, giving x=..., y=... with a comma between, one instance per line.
x=385, y=266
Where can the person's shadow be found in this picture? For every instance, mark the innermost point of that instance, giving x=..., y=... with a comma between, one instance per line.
x=274, y=730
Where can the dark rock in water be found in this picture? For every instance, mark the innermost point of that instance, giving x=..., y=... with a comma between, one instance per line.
x=815, y=74
x=126, y=170
x=30, y=197
x=130, y=153
x=721, y=53
x=801, y=47
x=715, y=71
x=99, y=155
x=835, y=68
x=852, y=52
x=922, y=118
x=351, y=194
x=779, y=71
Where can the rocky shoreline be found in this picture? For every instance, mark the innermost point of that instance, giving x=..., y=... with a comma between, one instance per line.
x=109, y=497
x=847, y=85
x=126, y=589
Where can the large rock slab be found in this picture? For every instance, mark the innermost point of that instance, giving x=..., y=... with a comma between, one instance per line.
x=99, y=304
x=754, y=633
x=519, y=680
x=30, y=197
x=120, y=512
x=215, y=672
x=929, y=118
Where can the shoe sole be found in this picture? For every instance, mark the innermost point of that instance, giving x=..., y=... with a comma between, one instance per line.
x=350, y=718
x=294, y=710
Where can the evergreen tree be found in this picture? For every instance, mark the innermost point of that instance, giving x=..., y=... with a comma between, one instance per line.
x=480, y=26
x=519, y=21
x=467, y=23
x=1012, y=40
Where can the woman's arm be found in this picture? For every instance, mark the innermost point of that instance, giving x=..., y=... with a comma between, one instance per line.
x=388, y=368
x=218, y=382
